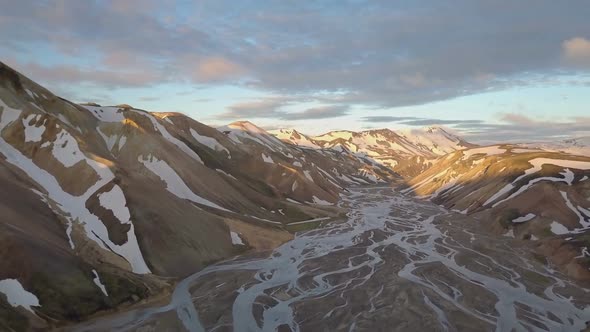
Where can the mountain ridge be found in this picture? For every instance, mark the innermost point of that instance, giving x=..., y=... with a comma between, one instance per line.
x=408, y=152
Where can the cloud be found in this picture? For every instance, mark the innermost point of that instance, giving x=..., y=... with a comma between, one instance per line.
x=70, y=75
x=322, y=112
x=384, y=54
x=216, y=69
x=263, y=108
x=149, y=98
x=387, y=118
x=271, y=108
x=520, y=128
x=577, y=51
x=432, y=122
x=416, y=121
x=518, y=119
x=509, y=127
x=387, y=54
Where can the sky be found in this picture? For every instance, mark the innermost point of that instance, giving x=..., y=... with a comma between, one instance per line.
x=491, y=70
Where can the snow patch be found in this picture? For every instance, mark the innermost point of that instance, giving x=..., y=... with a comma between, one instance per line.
x=66, y=150
x=8, y=116
x=267, y=159
x=524, y=218
x=558, y=228
x=111, y=114
x=98, y=283
x=225, y=173
x=122, y=141
x=115, y=201
x=108, y=140
x=488, y=151
x=33, y=133
x=319, y=201
x=17, y=296
x=236, y=239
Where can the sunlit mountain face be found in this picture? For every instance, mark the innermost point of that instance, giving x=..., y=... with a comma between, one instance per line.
x=274, y=166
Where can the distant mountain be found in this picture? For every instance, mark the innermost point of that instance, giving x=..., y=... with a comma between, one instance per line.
x=525, y=193
x=408, y=152
x=101, y=205
x=577, y=146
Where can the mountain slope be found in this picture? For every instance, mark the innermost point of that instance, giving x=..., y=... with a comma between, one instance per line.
x=408, y=152
x=104, y=205
x=528, y=194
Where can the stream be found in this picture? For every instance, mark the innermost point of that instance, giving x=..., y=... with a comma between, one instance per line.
x=396, y=263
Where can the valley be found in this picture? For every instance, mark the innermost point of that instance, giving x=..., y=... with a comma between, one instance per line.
x=294, y=166
x=117, y=218
x=395, y=263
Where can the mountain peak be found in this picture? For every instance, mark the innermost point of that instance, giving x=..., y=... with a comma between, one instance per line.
x=432, y=129
x=247, y=126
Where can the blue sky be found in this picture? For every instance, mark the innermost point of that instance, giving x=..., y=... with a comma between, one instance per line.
x=490, y=70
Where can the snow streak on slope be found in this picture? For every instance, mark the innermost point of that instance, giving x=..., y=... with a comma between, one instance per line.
x=174, y=182
x=183, y=147
x=209, y=142
x=294, y=137
x=242, y=131
x=99, y=283
x=537, y=164
x=488, y=151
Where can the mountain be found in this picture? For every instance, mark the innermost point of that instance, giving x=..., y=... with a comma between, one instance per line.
x=106, y=207
x=408, y=152
x=527, y=193
x=103, y=206
x=577, y=146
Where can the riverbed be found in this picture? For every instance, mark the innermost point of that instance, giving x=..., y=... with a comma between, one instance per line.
x=396, y=263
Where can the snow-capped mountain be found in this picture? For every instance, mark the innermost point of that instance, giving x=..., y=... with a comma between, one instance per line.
x=113, y=198
x=577, y=146
x=525, y=193
x=408, y=152
x=435, y=139
x=294, y=137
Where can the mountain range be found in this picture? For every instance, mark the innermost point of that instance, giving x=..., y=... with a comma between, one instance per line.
x=104, y=207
